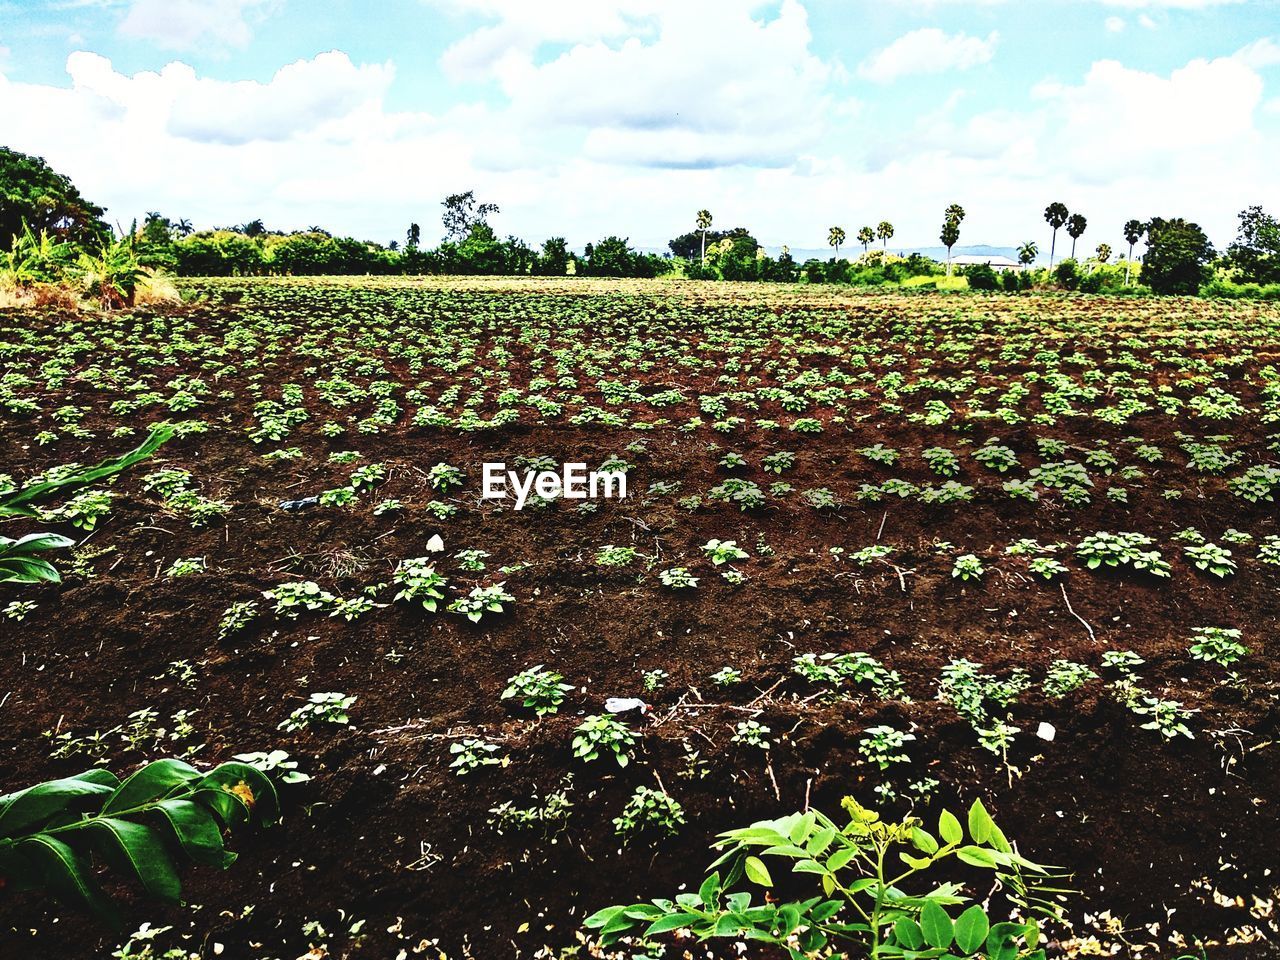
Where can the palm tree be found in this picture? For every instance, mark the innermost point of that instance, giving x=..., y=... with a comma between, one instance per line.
x=885, y=233
x=835, y=237
x=950, y=234
x=1103, y=252
x=1075, y=227
x=184, y=228
x=1055, y=214
x=951, y=230
x=1133, y=231
x=1027, y=253
x=865, y=236
x=704, y=224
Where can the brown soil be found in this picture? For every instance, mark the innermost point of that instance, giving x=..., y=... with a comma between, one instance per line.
x=387, y=833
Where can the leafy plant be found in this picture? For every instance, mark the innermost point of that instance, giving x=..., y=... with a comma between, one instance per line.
x=600, y=733
x=863, y=904
x=320, y=708
x=165, y=814
x=19, y=562
x=542, y=690
x=649, y=810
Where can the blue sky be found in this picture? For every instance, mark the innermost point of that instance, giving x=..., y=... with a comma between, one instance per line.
x=587, y=117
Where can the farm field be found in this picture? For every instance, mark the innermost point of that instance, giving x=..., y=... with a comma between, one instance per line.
x=916, y=550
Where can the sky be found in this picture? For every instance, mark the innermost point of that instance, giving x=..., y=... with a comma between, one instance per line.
x=584, y=118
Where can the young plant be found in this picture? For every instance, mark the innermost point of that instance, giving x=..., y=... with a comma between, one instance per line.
x=649, y=811
x=598, y=734
x=865, y=903
x=481, y=600
x=541, y=690
x=320, y=708
x=723, y=551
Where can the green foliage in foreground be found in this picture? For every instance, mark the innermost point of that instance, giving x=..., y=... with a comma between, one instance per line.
x=20, y=502
x=862, y=869
x=52, y=835
x=18, y=560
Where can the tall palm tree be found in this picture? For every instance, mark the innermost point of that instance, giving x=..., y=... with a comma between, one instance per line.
x=835, y=237
x=885, y=233
x=950, y=234
x=184, y=228
x=1027, y=253
x=951, y=230
x=704, y=224
x=1075, y=227
x=865, y=236
x=1133, y=231
x=1055, y=214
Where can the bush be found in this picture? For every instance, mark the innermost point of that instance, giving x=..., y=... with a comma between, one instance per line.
x=1067, y=274
x=982, y=277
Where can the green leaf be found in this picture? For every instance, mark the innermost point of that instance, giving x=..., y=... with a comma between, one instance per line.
x=949, y=828
x=34, y=806
x=924, y=841
x=136, y=849
x=908, y=933
x=65, y=875
x=197, y=832
x=936, y=924
x=980, y=823
x=971, y=929
x=673, y=922
x=709, y=890
x=757, y=872
x=149, y=784
x=977, y=857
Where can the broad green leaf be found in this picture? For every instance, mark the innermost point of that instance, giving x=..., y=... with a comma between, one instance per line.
x=34, y=806
x=149, y=784
x=673, y=922
x=972, y=927
x=977, y=856
x=757, y=872
x=196, y=831
x=949, y=828
x=135, y=848
x=908, y=933
x=936, y=924
x=980, y=823
x=65, y=874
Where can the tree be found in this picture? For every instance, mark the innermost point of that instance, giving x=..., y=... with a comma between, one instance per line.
x=156, y=229
x=885, y=233
x=1103, y=252
x=1055, y=214
x=835, y=237
x=1256, y=249
x=953, y=215
x=462, y=214
x=254, y=228
x=1027, y=253
x=413, y=236
x=1075, y=228
x=1178, y=255
x=1133, y=231
x=704, y=224
x=950, y=234
x=865, y=236
x=554, y=261
x=693, y=245
x=183, y=228
x=32, y=192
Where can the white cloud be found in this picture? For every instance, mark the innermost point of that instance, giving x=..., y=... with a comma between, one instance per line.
x=1260, y=54
x=1115, y=24
x=928, y=50
x=190, y=24
x=664, y=96
x=1170, y=4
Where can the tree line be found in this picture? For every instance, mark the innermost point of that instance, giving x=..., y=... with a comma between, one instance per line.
x=43, y=215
